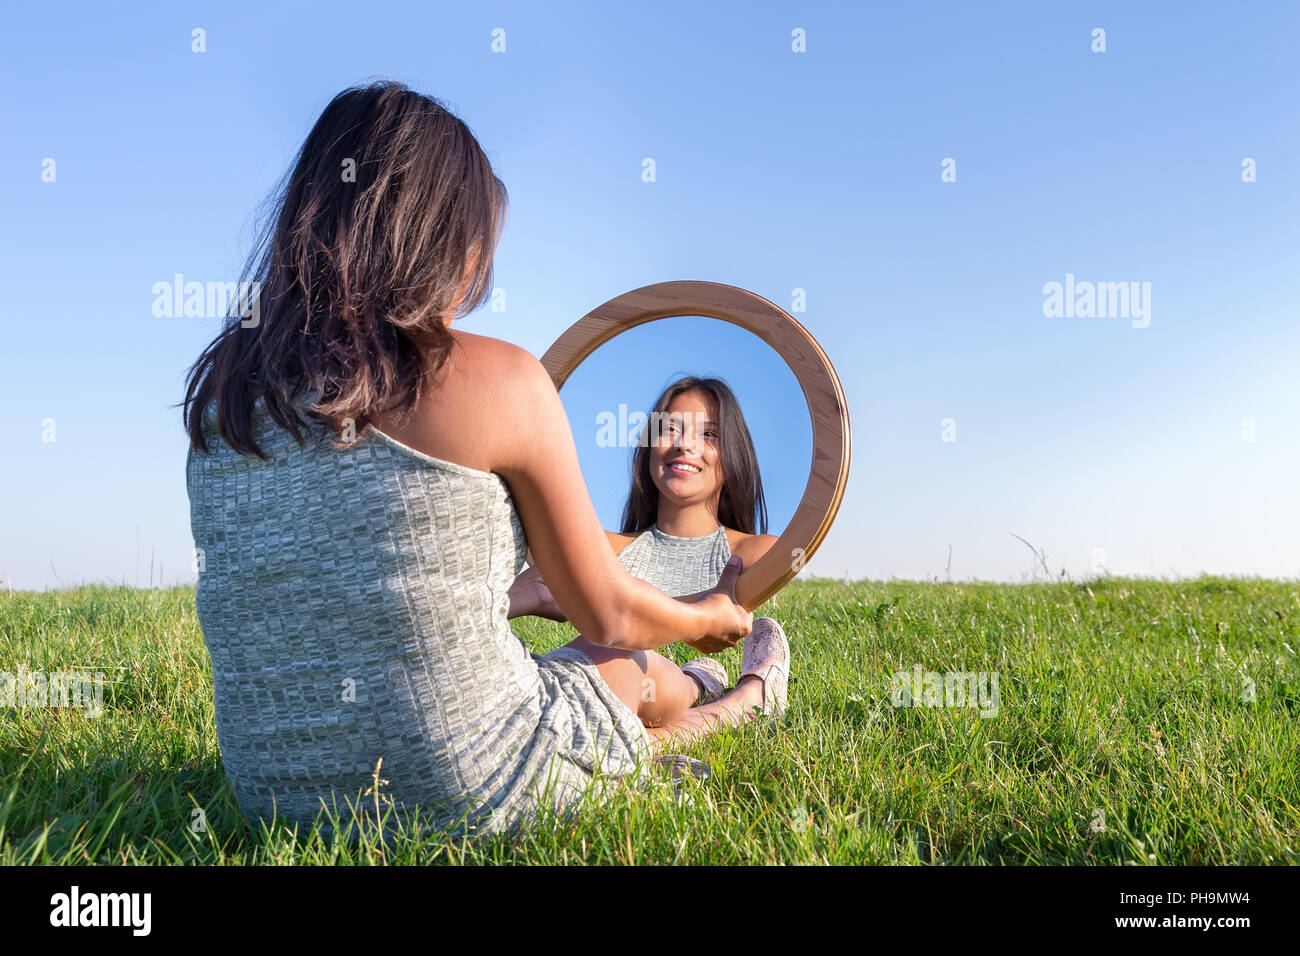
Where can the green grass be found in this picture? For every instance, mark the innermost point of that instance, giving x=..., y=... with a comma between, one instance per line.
x=1128, y=697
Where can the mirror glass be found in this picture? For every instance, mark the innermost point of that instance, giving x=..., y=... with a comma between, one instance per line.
x=609, y=398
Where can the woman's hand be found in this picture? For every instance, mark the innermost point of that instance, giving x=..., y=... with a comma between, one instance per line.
x=529, y=595
x=729, y=622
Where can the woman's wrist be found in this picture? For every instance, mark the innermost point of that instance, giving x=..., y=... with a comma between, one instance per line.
x=643, y=624
x=694, y=621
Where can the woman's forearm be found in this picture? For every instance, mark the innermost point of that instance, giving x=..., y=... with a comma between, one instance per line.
x=650, y=619
x=524, y=602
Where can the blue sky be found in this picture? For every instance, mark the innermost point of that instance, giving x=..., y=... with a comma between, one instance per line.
x=1099, y=442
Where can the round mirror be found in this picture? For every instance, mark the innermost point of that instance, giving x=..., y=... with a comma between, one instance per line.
x=611, y=398
x=613, y=365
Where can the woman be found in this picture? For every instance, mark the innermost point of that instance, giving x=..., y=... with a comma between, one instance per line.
x=696, y=499
x=364, y=483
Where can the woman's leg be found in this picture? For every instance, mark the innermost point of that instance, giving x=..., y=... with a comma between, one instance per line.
x=655, y=688
x=765, y=647
x=669, y=717
x=741, y=703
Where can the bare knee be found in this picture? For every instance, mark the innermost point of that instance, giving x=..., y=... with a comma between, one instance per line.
x=666, y=693
x=653, y=687
x=624, y=671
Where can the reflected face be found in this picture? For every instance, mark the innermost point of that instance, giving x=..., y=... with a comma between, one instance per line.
x=686, y=460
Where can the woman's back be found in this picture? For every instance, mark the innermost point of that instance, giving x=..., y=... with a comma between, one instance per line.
x=354, y=604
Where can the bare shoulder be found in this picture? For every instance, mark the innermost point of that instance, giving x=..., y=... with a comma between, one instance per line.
x=506, y=395
x=476, y=405
x=750, y=547
x=493, y=359
x=500, y=373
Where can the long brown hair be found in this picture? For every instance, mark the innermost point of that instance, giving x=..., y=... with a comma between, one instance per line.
x=375, y=226
x=740, y=502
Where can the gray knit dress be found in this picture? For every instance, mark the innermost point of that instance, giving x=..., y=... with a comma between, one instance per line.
x=677, y=565
x=354, y=604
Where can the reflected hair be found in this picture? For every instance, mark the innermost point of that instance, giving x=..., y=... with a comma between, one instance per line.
x=741, y=504
x=367, y=249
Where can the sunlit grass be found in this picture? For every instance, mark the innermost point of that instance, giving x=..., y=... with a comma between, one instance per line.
x=1125, y=733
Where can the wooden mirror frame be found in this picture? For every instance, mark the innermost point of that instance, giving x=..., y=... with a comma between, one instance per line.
x=829, y=470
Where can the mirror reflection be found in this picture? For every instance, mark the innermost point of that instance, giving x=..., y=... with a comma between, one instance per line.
x=695, y=442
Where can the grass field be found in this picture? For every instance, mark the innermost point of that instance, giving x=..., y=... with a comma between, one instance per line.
x=1137, y=721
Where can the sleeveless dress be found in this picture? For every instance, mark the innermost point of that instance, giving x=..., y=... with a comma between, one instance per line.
x=354, y=604
x=677, y=565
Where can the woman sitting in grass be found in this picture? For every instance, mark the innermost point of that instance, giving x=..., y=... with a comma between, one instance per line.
x=364, y=484
x=695, y=500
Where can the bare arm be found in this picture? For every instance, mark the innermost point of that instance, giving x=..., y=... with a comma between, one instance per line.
x=529, y=595
x=538, y=459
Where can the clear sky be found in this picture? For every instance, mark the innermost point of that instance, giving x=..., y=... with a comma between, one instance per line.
x=1157, y=444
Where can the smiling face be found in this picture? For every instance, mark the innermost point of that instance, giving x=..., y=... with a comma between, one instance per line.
x=686, y=460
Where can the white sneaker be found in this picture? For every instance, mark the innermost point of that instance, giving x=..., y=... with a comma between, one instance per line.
x=711, y=675
x=766, y=655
